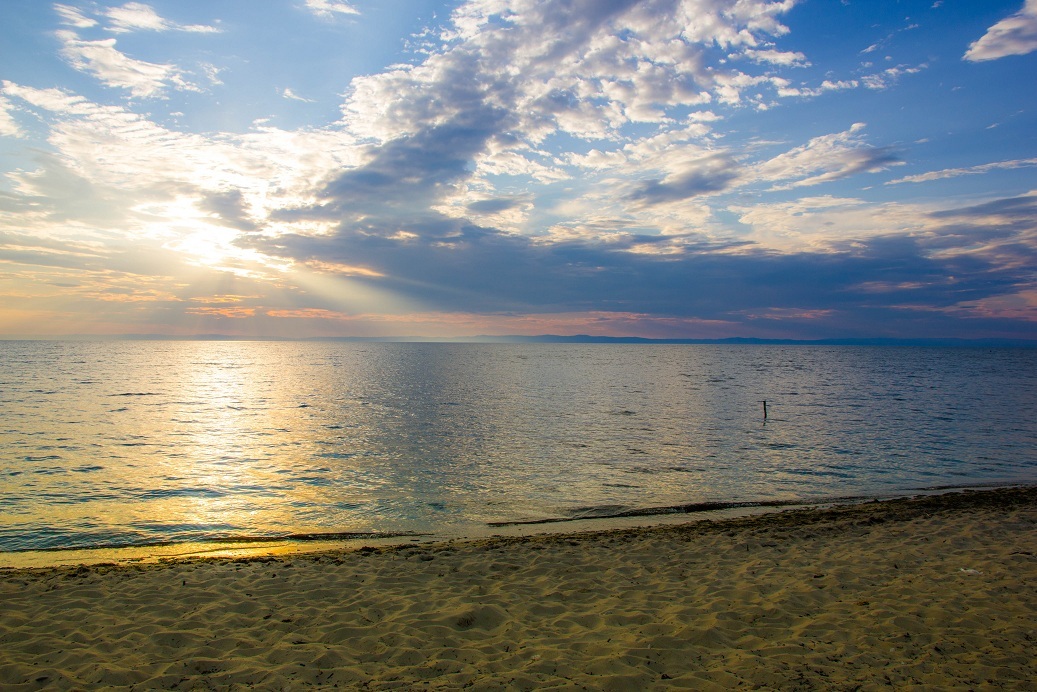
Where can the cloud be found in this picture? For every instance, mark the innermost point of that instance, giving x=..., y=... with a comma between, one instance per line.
x=72, y=16
x=888, y=77
x=23, y=248
x=450, y=324
x=117, y=170
x=1021, y=306
x=565, y=161
x=104, y=61
x=1014, y=35
x=230, y=207
x=212, y=73
x=924, y=256
x=415, y=171
x=838, y=85
x=825, y=159
x=1023, y=208
x=583, y=68
x=496, y=204
x=137, y=16
x=776, y=57
x=706, y=176
x=227, y=312
x=8, y=125
x=329, y=8
x=822, y=224
x=291, y=95
x=522, y=72
x=492, y=90
x=869, y=276
x=971, y=170
x=593, y=87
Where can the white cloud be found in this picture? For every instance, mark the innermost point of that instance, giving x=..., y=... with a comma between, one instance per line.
x=784, y=89
x=329, y=8
x=291, y=95
x=137, y=16
x=733, y=88
x=777, y=57
x=592, y=71
x=100, y=58
x=972, y=170
x=166, y=184
x=888, y=77
x=501, y=161
x=54, y=100
x=1014, y=35
x=827, y=224
x=585, y=68
x=525, y=70
x=212, y=73
x=829, y=85
x=824, y=159
x=8, y=125
x=71, y=16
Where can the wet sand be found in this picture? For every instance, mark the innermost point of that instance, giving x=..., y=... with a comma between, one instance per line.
x=935, y=592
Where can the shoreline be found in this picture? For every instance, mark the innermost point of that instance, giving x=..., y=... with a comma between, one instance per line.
x=595, y=519
x=935, y=590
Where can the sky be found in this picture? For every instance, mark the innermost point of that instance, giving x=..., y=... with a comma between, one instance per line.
x=661, y=168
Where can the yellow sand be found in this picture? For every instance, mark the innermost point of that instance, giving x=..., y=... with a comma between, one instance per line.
x=939, y=593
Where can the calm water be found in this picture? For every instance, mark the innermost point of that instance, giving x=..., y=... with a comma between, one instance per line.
x=122, y=443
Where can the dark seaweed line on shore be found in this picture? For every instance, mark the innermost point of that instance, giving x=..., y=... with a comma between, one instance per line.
x=601, y=513
x=702, y=507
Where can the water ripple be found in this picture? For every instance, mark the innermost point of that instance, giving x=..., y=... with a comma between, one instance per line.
x=138, y=442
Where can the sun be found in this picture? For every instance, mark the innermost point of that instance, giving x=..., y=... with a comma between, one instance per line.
x=203, y=240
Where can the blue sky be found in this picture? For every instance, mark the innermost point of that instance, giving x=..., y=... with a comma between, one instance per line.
x=664, y=168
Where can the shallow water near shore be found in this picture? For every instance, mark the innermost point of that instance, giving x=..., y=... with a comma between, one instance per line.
x=138, y=443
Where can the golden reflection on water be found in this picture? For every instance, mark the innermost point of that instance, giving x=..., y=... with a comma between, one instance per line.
x=213, y=422
x=241, y=426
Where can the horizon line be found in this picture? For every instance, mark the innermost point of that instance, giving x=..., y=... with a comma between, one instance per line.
x=556, y=339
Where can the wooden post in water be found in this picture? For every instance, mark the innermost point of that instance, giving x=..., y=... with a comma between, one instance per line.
x=765, y=409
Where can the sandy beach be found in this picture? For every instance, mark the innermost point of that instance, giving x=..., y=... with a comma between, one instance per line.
x=933, y=592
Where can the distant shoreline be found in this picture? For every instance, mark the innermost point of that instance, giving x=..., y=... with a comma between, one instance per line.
x=555, y=339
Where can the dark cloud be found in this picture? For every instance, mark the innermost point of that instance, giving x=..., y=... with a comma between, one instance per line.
x=691, y=184
x=414, y=171
x=1024, y=207
x=496, y=205
x=229, y=207
x=872, y=159
x=453, y=265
